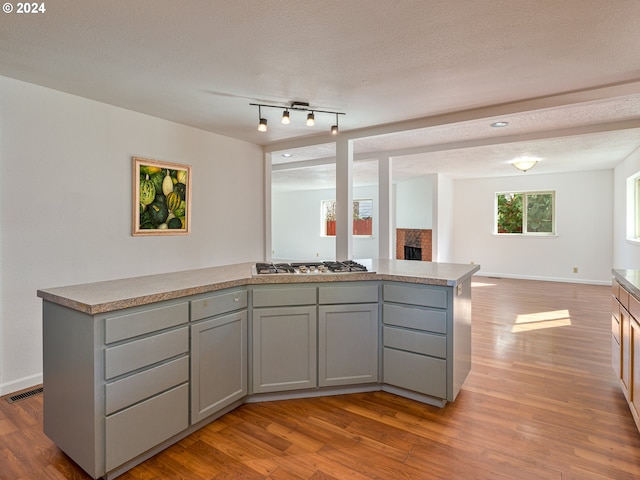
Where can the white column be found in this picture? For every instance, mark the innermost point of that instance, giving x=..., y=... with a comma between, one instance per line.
x=267, y=208
x=385, y=208
x=344, y=198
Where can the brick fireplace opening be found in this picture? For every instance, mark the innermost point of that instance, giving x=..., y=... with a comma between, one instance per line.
x=417, y=242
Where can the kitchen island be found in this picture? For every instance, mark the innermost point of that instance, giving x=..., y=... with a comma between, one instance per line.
x=133, y=365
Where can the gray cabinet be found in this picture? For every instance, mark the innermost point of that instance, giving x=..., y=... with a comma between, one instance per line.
x=348, y=334
x=284, y=338
x=284, y=348
x=218, y=364
x=218, y=352
x=426, y=348
x=117, y=384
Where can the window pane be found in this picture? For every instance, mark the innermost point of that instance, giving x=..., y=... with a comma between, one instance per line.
x=362, y=217
x=540, y=212
x=509, y=213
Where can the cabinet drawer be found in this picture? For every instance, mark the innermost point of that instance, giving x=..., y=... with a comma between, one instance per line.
x=273, y=297
x=135, y=430
x=415, y=372
x=634, y=306
x=616, y=357
x=624, y=297
x=418, y=342
x=615, y=288
x=425, y=296
x=345, y=293
x=615, y=327
x=147, y=351
x=218, y=304
x=145, y=321
x=418, y=318
x=615, y=308
x=135, y=388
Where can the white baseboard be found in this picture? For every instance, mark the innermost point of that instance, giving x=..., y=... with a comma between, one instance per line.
x=543, y=279
x=20, y=384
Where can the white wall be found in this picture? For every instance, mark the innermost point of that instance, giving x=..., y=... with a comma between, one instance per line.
x=414, y=202
x=65, y=211
x=584, y=202
x=296, y=223
x=626, y=254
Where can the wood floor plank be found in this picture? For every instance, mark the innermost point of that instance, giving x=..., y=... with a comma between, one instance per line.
x=541, y=403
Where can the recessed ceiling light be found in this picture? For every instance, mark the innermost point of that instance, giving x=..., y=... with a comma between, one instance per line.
x=499, y=124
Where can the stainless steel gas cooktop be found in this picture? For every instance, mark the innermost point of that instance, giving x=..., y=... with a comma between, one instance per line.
x=297, y=268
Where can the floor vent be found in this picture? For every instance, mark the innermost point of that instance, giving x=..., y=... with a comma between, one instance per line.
x=23, y=395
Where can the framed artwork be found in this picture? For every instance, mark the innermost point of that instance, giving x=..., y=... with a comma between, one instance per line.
x=161, y=198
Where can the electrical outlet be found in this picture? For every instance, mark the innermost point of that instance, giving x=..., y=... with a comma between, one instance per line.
x=575, y=269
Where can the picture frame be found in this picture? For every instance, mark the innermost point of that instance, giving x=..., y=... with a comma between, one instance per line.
x=161, y=198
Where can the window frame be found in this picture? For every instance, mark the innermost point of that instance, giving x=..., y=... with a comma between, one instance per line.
x=525, y=194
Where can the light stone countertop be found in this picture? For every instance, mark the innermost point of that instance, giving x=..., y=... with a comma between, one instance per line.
x=630, y=279
x=107, y=296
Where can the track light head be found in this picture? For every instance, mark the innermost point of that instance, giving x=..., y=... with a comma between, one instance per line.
x=334, y=128
x=262, y=124
x=286, y=119
x=311, y=120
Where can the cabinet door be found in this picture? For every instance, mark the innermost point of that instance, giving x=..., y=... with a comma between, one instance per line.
x=284, y=348
x=635, y=370
x=218, y=364
x=347, y=344
x=625, y=346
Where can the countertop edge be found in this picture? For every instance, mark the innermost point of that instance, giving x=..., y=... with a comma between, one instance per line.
x=629, y=278
x=64, y=295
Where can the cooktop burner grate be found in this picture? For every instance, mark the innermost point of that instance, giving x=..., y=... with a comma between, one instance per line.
x=310, y=267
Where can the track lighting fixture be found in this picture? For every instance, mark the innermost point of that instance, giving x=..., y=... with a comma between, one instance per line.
x=262, y=124
x=311, y=120
x=334, y=128
x=286, y=115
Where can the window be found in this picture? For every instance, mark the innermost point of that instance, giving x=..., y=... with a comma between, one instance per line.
x=525, y=213
x=633, y=208
x=362, y=217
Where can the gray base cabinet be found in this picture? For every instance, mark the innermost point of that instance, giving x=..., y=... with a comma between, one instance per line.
x=426, y=348
x=284, y=349
x=120, y=386
x=348, y=333
x=347, y=344
x=218, y=364
x=116, y=384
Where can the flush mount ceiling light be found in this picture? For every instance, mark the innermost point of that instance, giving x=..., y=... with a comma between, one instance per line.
x=525, y=163
x=499, y=124
x=286, y=116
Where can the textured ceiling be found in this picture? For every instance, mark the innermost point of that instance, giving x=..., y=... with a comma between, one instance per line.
x=460, y=64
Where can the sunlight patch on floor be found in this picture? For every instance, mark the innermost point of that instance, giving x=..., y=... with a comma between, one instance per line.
x=480, y=284
x=539, y=320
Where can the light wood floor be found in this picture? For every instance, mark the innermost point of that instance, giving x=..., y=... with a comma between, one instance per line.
x=541, y=402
